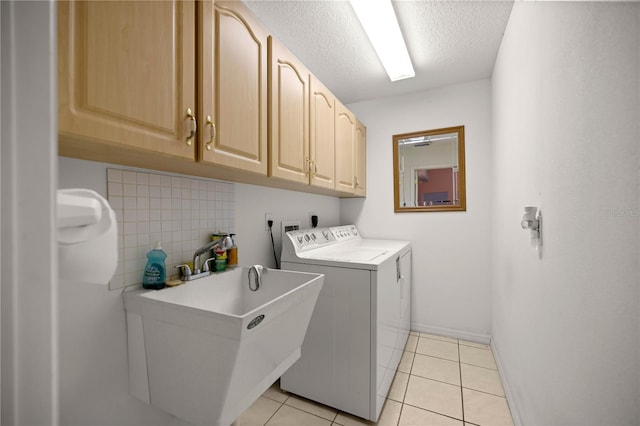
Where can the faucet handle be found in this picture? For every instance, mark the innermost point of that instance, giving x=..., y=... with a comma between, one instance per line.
x=185, y=270
x=205, y=266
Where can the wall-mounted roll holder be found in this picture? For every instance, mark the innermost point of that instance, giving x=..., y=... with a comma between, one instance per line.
x=532, y=220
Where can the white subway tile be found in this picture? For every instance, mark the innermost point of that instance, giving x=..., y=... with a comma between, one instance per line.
x=143, y=228
x=142, y=178
x=142, y=203
x=114, y=175
x=155, y=191
x=130, y=203
x=143, y=241
x=130, y=241
x=130, y=215
x=130, y=228
x=116, y=202
x=129, y=177
x=155, y=204
x=114, y=188
x=129, y=190
x=142, y=190
x=143, y=215
x=181, y=212
x=155, y=179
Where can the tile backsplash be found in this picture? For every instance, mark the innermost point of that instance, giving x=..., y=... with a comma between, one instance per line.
x=181, y=212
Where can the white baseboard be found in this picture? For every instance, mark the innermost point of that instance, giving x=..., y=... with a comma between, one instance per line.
x=515, y=414
x=456, y=334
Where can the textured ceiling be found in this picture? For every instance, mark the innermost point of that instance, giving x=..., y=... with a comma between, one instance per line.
x=449, y=42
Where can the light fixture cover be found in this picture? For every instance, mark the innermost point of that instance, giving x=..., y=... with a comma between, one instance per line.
x=381, y=25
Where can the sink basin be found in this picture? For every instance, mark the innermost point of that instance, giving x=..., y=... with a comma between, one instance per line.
x=204, y=351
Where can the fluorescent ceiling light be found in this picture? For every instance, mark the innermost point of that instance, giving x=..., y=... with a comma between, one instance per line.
x=379, y=22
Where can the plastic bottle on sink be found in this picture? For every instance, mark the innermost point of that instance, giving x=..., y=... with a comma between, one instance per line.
x=154, y=276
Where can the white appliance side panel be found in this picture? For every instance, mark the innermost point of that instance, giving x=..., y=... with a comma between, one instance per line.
x=392, y=297
x=405, y=300
x=387, y=302
x=334, y=368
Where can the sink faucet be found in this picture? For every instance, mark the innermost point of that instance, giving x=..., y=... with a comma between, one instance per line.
x=202, y=250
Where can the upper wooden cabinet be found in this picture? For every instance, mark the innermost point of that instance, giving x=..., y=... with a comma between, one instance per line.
x=232, y=80
x=360, y=160
x=345, y=135
x=289, y=115
x=302, y=119
x=186, y=87
x=322, y=135
x=126, y=76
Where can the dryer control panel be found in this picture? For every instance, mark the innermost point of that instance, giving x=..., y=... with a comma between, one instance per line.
x=308, y=239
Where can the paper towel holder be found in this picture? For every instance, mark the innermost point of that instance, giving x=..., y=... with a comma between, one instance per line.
x=87, y=237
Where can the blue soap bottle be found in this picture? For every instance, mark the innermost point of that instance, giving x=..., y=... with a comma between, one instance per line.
x=155, y=274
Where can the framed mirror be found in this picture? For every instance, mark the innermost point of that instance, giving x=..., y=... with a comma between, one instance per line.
x=428, y=171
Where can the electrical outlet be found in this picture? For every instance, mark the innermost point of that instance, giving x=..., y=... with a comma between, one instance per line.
x=267, y=218
x=310, y=215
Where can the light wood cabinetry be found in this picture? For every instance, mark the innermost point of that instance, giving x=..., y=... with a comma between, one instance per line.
x=322, y=138
x=360, y=160
x=302, y=122
x=289, y=115
x=189, y=87
x=232, y=82
x=126, y=76
x=345, y=135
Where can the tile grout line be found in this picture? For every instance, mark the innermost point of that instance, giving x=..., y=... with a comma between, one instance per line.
x=434, y=412
x=404, y=395
x=461, y=384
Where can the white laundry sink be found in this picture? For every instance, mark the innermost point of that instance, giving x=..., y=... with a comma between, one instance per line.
x=204, y=351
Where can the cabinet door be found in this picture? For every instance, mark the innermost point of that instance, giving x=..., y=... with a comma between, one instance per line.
x=232, y=87
x=126, y=75
x=360, y=160
x=289, y=115
x=322, y=135
x=345, y=132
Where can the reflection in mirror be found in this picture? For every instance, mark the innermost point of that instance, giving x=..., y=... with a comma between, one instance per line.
x=428, y=170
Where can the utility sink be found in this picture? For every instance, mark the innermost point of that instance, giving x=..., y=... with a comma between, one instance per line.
x=205, y=350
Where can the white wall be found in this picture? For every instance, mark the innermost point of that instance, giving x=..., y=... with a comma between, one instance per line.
x=252, y=202
x=29, y=285
x=92, y=342
x=451, y=250
x=566, y=136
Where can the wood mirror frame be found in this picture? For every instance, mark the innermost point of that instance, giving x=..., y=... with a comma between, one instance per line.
x=412, y=150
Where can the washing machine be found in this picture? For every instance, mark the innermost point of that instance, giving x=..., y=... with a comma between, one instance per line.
x=360, y=325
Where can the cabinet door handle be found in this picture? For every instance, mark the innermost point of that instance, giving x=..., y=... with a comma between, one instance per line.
x=308, y=171
x=212, y=137
x=355, y=181
x=194, y=126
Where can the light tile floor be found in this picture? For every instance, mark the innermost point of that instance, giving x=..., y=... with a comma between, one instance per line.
x=440, y=381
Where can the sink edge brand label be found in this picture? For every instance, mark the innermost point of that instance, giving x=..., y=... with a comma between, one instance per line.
x=254, y=322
